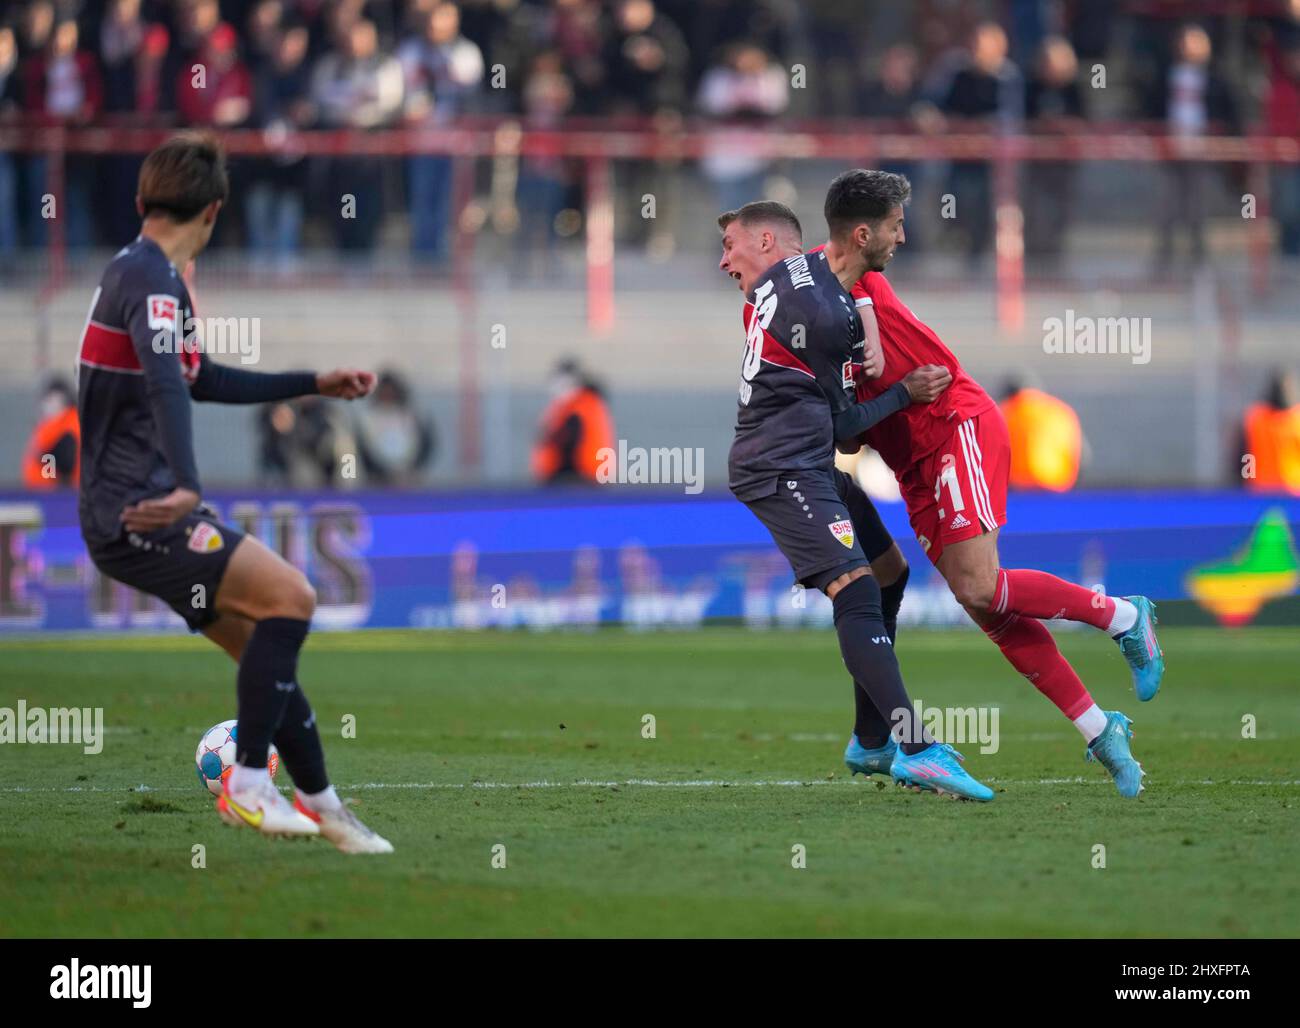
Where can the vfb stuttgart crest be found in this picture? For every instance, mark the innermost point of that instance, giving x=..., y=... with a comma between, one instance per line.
x=205, y=539
x=843, y=531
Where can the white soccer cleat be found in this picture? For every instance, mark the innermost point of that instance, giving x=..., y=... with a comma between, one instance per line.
x=343, y=828
x=264, y=809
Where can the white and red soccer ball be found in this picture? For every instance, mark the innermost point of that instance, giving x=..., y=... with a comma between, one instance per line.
x=215, y=756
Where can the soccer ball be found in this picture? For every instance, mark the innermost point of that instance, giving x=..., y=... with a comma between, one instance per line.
x=215, y=756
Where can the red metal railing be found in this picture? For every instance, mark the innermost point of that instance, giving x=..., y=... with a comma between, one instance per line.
x=596, y=142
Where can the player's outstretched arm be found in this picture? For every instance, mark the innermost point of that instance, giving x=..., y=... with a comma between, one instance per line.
x=851, y=423
x=920, y=385
x=345, y=383
x=221, y=383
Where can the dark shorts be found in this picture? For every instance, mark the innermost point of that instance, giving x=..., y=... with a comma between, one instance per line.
x=824, y=524
x=182, y=564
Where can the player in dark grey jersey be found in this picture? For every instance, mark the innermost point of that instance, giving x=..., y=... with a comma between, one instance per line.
x=804, y=343
x=140, y=366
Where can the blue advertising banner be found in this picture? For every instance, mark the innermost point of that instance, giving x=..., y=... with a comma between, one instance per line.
x=646, y=558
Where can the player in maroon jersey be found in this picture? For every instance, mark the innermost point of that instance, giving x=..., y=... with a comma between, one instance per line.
x=952, y=460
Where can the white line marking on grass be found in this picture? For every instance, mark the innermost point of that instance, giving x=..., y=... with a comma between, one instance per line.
x=685, y=783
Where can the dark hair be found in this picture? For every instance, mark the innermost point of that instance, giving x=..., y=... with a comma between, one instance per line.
x=59, y=384
x=762, y=211
x=183, y=176
x=860, y=195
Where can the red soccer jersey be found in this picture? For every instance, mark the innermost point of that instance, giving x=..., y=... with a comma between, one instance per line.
x=918, y=430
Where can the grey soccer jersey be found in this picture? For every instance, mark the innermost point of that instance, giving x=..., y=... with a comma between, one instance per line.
x=803, y=337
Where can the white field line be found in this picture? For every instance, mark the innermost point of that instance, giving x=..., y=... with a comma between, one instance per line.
x=689, y=783
x=511, y=734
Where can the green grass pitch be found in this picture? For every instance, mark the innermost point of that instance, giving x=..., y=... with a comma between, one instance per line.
x=534, y=742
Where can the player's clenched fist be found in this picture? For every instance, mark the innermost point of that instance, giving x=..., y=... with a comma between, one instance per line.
x=924, y=384
x=345, y=383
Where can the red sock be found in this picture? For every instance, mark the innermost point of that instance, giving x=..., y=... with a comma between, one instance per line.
x=1036, y=594
x=1031, y=650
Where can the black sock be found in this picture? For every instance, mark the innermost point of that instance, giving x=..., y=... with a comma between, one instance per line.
x=869, y=726
x=298, y=741
x=869, y=654
x=267, y=680
x=891, y=598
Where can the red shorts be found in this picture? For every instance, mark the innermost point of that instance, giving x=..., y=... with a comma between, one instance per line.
x=960, y=490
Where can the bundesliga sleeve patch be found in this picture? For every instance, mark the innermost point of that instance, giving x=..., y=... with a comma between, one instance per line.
x=843, y=531
x=846, y=374
x=204, y=538
x=162, y=311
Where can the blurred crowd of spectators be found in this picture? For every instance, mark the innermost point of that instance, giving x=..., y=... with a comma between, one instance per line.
x=287, y=65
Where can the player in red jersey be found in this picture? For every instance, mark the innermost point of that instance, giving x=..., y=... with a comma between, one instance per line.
x=952, y=461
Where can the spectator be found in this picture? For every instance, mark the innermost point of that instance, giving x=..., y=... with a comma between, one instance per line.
x=357, y=87
x=264, y=30
x=395, y=442
x=38, y=20
x=302, y=444
x=1193, y=101
x=575, y=426
x=196, y=21
x=443, y=70
x=1052, y=104
x=131, y=54
x=63, y=85
x=1270, y=437
x=543, y=180
x=576, y=31
x=1047, y=444
x=745, y=91
x=8, y=69
x=711, y=26
x=1282, y=118
x=9, y=165
x=53, y=455
x=895, y=94
x=220, y=92
x=275, y=194
x=988, y=90
x=645, y=61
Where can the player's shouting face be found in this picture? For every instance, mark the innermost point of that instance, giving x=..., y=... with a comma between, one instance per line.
x=751, y=244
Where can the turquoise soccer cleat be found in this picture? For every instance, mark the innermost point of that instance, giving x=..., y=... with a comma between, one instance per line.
x=1111, y=750
x=862, y=761
x=1142, y=651
x=937, y=768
